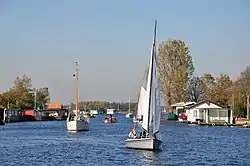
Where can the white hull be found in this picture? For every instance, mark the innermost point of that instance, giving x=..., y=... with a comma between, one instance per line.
x=180, y=120
x=143, y=143
x=77, y=125
x=128, y=115
x=136, y=120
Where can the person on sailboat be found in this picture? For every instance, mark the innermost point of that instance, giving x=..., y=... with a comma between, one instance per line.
x=132, y=133
x=143, y=133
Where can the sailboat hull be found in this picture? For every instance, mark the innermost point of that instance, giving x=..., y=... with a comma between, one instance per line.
x=143, y=143
x=77, y=125
x=129, y=115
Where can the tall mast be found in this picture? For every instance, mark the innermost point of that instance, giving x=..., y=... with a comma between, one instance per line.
x=152, y=62
x=129, y=104
x=77, y=97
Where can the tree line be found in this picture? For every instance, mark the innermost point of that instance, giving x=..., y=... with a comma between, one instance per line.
x=23, y=96
x=177, y=82
x=104, y=105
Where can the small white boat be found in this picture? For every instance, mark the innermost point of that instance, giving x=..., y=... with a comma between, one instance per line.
x=129, y=115
x=151, y=110
x=75, y=122
x=180, y=120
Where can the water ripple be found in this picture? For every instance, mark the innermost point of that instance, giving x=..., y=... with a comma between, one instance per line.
x=48, y=143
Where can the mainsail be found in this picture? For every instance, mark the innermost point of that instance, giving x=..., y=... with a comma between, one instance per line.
x=151, y=101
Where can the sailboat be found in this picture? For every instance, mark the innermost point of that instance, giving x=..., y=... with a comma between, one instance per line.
x=151, y=110
x=75, y=122
x=129, y=114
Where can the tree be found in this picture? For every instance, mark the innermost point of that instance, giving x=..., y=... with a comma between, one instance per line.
x=21, y=93
x=7, y=99
x=175, y=68
x=42, y=97
x=21, y=96
x=241, y=90
x=195, y=90
x=223, y=90
x=209, y=83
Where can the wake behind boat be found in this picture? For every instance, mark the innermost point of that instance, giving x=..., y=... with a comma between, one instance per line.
x=151, y=110
x=75, y=122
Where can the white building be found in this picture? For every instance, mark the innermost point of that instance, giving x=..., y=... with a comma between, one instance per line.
x=179, y=108
x=208, y=112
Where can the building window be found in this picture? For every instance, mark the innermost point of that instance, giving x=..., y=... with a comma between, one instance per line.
x=195, y=113
x=223, y=113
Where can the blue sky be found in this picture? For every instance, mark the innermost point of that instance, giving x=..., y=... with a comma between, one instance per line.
x=112, y=39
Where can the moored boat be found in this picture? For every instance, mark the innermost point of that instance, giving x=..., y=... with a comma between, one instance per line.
x=75, y=122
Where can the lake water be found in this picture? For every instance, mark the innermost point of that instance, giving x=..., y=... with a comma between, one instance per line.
x=49, y=143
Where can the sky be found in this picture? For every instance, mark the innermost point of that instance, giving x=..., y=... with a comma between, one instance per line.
x=112, y=39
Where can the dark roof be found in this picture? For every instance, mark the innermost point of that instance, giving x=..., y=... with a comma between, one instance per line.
x=202, y=102
x=52, y=109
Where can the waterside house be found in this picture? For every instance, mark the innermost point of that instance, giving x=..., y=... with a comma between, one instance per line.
x=13, y=115
x=179, y=108
x=208, y=112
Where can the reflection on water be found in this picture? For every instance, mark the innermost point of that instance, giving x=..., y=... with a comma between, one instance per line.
x=49, y=143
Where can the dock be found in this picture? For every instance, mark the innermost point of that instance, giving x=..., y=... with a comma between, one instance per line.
x=245, y=125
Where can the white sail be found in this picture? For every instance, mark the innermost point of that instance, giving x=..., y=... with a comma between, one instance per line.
x=140, y=102
x=146, y=105
x=156, y=98
x=151, y=105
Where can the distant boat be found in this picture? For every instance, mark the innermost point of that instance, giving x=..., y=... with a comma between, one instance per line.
x=151, y=111
x=75, y=122
x=88, y=115
x=110, y=118
x=129, y=114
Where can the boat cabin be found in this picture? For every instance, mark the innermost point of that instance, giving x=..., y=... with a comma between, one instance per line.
x=208, y=112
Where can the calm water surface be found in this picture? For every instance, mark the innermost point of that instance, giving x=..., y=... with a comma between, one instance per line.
x=49, y=143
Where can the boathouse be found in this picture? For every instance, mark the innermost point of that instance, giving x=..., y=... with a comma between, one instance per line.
x=208, y=112
x=13, y=115
x=179, y=108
